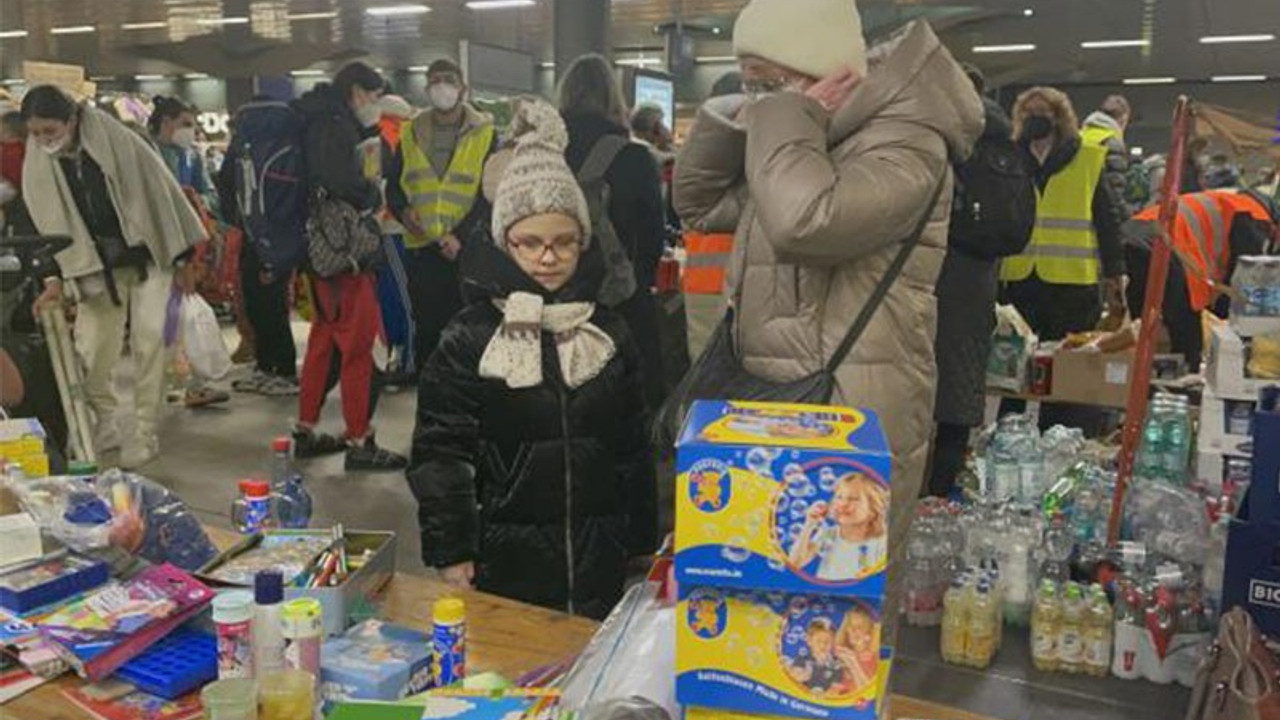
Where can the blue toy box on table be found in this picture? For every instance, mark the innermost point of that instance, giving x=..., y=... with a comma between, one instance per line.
x=781, y=550
x=1252, y=575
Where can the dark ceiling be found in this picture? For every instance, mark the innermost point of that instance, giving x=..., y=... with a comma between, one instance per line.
x=283, y=35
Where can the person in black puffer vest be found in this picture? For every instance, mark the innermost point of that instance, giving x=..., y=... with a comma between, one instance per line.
x=530, y=460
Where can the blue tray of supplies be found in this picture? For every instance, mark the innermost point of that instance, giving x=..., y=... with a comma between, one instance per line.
x=50, y=580
x=182, y=661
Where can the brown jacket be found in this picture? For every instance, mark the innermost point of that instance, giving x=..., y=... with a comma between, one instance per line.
x=820, y=208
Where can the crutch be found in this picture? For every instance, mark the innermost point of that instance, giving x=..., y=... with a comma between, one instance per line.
x=70, y=378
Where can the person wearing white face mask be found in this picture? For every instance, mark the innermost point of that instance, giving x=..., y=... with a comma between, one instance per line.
x=434, y=189
x=340, y=118
x=88, y=176
x=173, y=127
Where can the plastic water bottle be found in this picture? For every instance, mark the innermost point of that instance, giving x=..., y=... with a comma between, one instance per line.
x=1215, y=560
x=1128, y=632
x=1190, y=638
x=1071, y=631
x=1097, y=633
x=984, y=627
x=1161, y=624
x=1250, y=282
x=1270, y=305
x=955, y=622
x=1056, y=551
x=1045, y=627
x=293, y=502
x=1151, y=451
x=1177, y=438
x=1004, y=472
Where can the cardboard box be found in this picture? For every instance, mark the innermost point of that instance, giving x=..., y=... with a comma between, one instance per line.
x=1092, y=378
x=1248, y=327
x=1226, y=426
x=763, y=490
x=375, y=661
x=1252, y=573
x=779, y=654
x=1225, y=365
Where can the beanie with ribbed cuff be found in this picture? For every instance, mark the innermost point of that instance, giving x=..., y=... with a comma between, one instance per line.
x=813, y=37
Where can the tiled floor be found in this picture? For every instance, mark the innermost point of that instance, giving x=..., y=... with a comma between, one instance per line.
x=204, y=453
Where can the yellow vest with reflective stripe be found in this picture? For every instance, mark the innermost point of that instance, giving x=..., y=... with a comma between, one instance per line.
x=1064, y=246
x=1097, y=135
x=442, y=203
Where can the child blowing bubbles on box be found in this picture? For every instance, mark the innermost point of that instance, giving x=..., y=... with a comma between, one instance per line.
x=856, y=543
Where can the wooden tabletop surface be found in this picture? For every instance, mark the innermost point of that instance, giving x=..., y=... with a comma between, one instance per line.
x=503, y=636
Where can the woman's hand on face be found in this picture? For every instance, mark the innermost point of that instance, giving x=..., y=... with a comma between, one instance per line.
x=833, y=91
x=461, y=576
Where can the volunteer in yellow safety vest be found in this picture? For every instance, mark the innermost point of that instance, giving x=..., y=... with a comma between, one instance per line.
x=1075, y=259
x=434, y=189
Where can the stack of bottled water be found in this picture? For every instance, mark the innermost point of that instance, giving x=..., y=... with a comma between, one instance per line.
x=1258, y=280
x=1082, y=494
x=972, y=631
x=1166, y=440
x=934, y=558
x=1015, y=463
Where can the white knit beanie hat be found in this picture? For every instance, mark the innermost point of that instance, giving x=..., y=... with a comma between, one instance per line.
x=814, y=37
x=536, y=180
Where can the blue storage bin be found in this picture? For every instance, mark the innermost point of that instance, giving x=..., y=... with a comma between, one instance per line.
x=50, y=580
x=184, y=660
x=1252, y=574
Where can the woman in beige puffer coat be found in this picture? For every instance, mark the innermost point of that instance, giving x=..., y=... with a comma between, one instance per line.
x=822, y=202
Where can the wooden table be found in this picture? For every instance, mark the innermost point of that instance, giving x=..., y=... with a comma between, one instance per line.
x=503, y=636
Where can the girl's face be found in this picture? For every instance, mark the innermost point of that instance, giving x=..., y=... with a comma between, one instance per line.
x=860, y=634
x=50, y=133
x=851, y=506
x=547, y=247
x=820, y=643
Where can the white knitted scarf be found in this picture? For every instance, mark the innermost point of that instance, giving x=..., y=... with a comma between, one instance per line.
x=514, y=353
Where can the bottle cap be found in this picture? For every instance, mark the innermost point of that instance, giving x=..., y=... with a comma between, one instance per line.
x=449, y=611
x=255, y=488
x=234, y=606
x=268, y=587
x=281, y=444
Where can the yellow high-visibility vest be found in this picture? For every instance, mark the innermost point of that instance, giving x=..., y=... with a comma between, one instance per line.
x=442, y=202
x=1064, y=245
x=1098, y=136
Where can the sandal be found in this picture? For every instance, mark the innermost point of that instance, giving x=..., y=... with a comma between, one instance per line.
x=204, y=397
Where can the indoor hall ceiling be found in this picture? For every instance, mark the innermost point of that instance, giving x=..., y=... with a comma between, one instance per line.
x=280, y=35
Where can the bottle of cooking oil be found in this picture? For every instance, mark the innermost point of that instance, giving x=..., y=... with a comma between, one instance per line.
x=955, y=622
x=983, y=626
x=1097, y=633
x=1071, y=630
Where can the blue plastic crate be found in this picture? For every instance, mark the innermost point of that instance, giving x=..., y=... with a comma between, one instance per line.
x=182, y=661
x=50, y=580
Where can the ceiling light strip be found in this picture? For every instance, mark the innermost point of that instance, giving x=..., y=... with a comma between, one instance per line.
x=499, y=4
x=1238, y=78
x=1017, y=47
x=1225, y=39
x=311, y=16
x=1107, y=44
x=397, y=10
x=144, y=26
x=234, y=20
x=1150, y=81
x=72, y=30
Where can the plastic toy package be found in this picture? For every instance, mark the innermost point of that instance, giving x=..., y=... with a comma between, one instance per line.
x=117, y=509
x=632, y=655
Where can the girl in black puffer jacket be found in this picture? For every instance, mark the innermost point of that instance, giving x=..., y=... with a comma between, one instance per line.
x=530, y=461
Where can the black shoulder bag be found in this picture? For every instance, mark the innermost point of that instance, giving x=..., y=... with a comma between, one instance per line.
x=718, y=373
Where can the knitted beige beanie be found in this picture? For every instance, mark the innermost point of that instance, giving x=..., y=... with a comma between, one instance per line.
x=815, y=37
x=536, y=180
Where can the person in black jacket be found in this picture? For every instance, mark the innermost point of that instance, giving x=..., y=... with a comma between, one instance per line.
x=339, y=119
x=530, y=460
x=593, y=108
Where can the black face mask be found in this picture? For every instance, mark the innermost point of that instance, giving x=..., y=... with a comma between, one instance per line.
x=1037, y=127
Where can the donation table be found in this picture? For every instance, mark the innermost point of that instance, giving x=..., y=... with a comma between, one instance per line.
x=503, y=636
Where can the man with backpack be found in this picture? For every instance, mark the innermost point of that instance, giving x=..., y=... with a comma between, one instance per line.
x=434, y=189
x=992, y=216
x=343, y=246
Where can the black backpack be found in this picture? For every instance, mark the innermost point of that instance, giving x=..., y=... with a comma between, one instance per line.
x=994, y=209
x=620, y=274
x=270, y=182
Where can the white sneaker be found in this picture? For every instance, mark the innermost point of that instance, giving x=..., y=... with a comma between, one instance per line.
x=142, y=451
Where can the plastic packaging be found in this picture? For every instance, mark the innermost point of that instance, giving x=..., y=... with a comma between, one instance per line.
x=287, y=695
x=233, y=618
x=118, y=509
x=449, y=641
x=252, y=511
x=631, y=655
x=235, y=699
x=202, y=341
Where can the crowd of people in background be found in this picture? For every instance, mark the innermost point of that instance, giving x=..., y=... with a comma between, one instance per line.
x=514, y=270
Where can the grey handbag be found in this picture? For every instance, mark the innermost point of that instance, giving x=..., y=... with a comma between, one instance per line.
x=340, y=239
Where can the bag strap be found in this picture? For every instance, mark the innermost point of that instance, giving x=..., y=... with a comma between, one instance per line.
x=600, y=158
x=890, y=275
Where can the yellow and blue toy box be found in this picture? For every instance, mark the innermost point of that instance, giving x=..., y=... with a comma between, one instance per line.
x=783, y=497
x=780, y=654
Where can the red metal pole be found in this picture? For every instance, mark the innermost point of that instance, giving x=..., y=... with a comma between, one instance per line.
x=1157, y=276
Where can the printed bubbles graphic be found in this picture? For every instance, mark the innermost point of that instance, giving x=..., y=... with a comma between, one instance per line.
x=798, y=509
x=759, y=460
x=734, y=552
x=777, y=565
x=827, y=480
x=798, y=606
x=798, y=486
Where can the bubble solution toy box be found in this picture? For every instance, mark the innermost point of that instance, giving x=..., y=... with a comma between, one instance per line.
x=781, y=549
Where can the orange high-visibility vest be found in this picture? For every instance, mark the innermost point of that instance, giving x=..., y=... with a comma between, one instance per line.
x=1201, y=237
x=707, y=262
